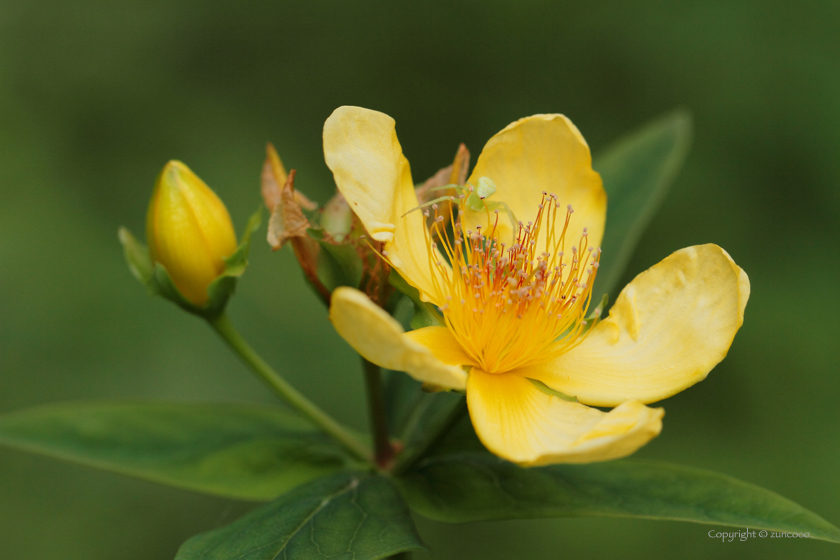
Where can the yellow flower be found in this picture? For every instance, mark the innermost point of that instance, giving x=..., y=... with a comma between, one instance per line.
x=189, y=231
x=514, y=295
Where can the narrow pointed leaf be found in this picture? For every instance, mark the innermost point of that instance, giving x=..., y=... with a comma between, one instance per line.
x=239, y=451
x=478, y=487
x=223, y=287
x=637, y=172
x=137, y=257
x=347, y=516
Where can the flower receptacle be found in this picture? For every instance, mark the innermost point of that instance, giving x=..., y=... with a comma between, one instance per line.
x=329, y=244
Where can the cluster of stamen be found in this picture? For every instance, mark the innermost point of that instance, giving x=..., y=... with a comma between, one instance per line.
x=510, y=307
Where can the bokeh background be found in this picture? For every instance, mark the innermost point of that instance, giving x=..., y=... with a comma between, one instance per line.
x=95, y=96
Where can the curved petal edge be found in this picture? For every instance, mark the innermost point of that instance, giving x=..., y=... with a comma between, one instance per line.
x=522, y=424
x=667, y=330
x=380, y=339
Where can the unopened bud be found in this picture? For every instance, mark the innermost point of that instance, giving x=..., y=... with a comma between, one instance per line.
x=189, y=231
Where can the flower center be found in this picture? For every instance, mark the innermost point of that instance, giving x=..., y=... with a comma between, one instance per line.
x=510, y=307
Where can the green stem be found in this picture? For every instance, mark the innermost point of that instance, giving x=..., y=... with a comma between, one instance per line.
x=415, y=453
x=285, y=391
x=378, y=419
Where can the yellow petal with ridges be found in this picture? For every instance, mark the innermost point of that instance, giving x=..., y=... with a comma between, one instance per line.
x=189, y=231
x=668, y=328
x=542, y=153
x=442, y=343
x=380, y=339
x=362, y=150
x=522, y=424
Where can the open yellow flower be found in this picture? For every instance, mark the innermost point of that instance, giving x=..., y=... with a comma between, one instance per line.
x=514, y=294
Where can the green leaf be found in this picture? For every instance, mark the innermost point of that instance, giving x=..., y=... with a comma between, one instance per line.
x=425, y=313
x=464, y=487
x=347, y=516
x=240, y=451
x=413, y=413
x=338, y=265
x=637, y=172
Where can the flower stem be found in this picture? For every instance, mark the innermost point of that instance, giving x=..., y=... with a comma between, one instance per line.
x=378, y=419
x=285, y=391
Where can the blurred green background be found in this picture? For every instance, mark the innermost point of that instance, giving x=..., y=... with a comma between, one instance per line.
x=96, y=96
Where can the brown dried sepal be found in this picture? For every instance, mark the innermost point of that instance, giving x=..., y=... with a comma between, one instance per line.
x=274, y=178
x=287, y=219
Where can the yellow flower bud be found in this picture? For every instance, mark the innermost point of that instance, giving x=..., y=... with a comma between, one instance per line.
x=189, y=231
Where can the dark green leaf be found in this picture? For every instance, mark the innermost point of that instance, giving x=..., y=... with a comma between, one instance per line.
x=637, y=172
x=402, y=394
x=338, y=265
x=477, y=487
x=425, y=313
x=419, y=419
x=347, y=516
x=240, y=451
x=412, y=412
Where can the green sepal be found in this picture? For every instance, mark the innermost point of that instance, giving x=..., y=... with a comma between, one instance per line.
x=138, y=259
x=425, y=313
x=551, y=392
x=223, y=287
x=338, y=264
x=157, y=281
x=149, y=273
x=349, y=515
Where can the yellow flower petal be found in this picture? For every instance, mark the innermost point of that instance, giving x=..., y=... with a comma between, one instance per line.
x=363, y=152
x=380, y=339
x=542, y=153
x=442, y=343
x=522, y=424
x=669, y=327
